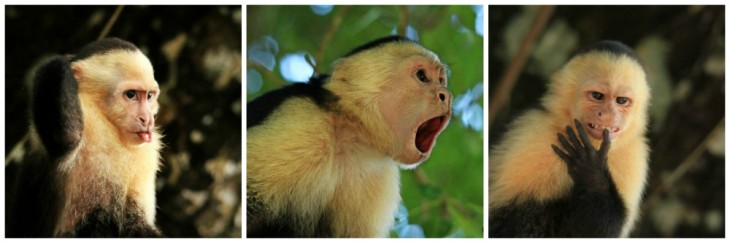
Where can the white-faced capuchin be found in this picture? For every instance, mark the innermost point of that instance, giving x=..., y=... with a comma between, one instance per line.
x=94, y=147
x=323, y=156
x=538, y=189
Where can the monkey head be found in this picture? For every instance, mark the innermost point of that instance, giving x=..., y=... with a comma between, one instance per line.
x=398, y=90
x=121, y=84
x=604, y=87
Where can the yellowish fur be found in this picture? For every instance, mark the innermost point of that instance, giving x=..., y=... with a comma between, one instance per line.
x=311, y=175
x=106, y=171
x=524, y=167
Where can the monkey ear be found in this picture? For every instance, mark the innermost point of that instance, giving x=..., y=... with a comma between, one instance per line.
x=77, y=70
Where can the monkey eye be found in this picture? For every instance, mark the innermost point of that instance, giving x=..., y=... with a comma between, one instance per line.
x=421, y=75
x=622, y=100
x=149, y=95
x=596, y=95
x=130, y=94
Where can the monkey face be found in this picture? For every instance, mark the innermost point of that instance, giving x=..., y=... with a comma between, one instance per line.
x=121, y=85
x=137, y=106
x=416, y=106
x=605, y=109
x=608, y=96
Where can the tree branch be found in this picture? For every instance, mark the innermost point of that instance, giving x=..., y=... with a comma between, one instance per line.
x=509, y=78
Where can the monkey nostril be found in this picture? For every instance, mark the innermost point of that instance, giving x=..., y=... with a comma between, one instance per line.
x=442, y=96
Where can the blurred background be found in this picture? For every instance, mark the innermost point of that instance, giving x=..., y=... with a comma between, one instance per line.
x=196, y=54
x=444, y=196
x=682, y=48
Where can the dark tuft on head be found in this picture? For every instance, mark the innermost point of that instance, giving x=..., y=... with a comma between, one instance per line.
x=319, y=79
x=610, y=46
x=379, y=42
x=103, y=46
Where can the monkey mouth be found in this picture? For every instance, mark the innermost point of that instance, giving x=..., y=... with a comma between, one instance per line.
x=428, y=131
x=146, y=136
x=596, y=131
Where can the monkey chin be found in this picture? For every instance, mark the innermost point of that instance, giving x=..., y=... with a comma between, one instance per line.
x=424, y=139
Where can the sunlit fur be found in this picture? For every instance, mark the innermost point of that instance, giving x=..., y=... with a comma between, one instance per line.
x=107, y=170
x=524, y=167
x=343, y=163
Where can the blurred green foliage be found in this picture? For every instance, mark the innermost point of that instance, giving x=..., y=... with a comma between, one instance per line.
x=445, y=194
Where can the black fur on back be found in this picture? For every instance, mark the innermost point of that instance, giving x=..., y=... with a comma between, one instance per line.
x=103, y=46
x=55, y=108
x=319, y=79
x=105, y=223
x=260, y=108
x=284, y=226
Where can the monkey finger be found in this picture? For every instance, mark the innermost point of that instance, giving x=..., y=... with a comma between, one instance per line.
x=584, y=136
x=568, y=160
x=574, y=139
x=569, y=148
x=606, y=144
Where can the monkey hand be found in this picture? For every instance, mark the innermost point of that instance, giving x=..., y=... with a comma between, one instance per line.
x=586, y=165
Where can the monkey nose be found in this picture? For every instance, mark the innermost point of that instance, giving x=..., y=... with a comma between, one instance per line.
x=145, y=121
x=444, y=96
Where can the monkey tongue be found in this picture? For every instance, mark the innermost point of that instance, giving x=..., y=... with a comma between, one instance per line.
x=145, y=136
x=427, y=132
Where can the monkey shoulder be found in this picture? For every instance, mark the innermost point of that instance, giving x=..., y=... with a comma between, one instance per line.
x=288, y=144
x=521, y=133
x=292, y=128
x=523, y=167
x=296, y=126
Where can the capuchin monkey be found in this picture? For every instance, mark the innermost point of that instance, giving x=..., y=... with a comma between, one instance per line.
x=540, y=189
x=323, y=156
x=94, y=147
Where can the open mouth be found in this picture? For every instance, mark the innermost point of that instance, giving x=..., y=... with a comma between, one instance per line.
x=596, y=131
x=427, y=132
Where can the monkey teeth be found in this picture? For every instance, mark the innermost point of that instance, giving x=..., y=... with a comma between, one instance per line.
x=599, y=127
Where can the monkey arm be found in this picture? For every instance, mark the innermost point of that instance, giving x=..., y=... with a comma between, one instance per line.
x=594, y=207
x=55, y=107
